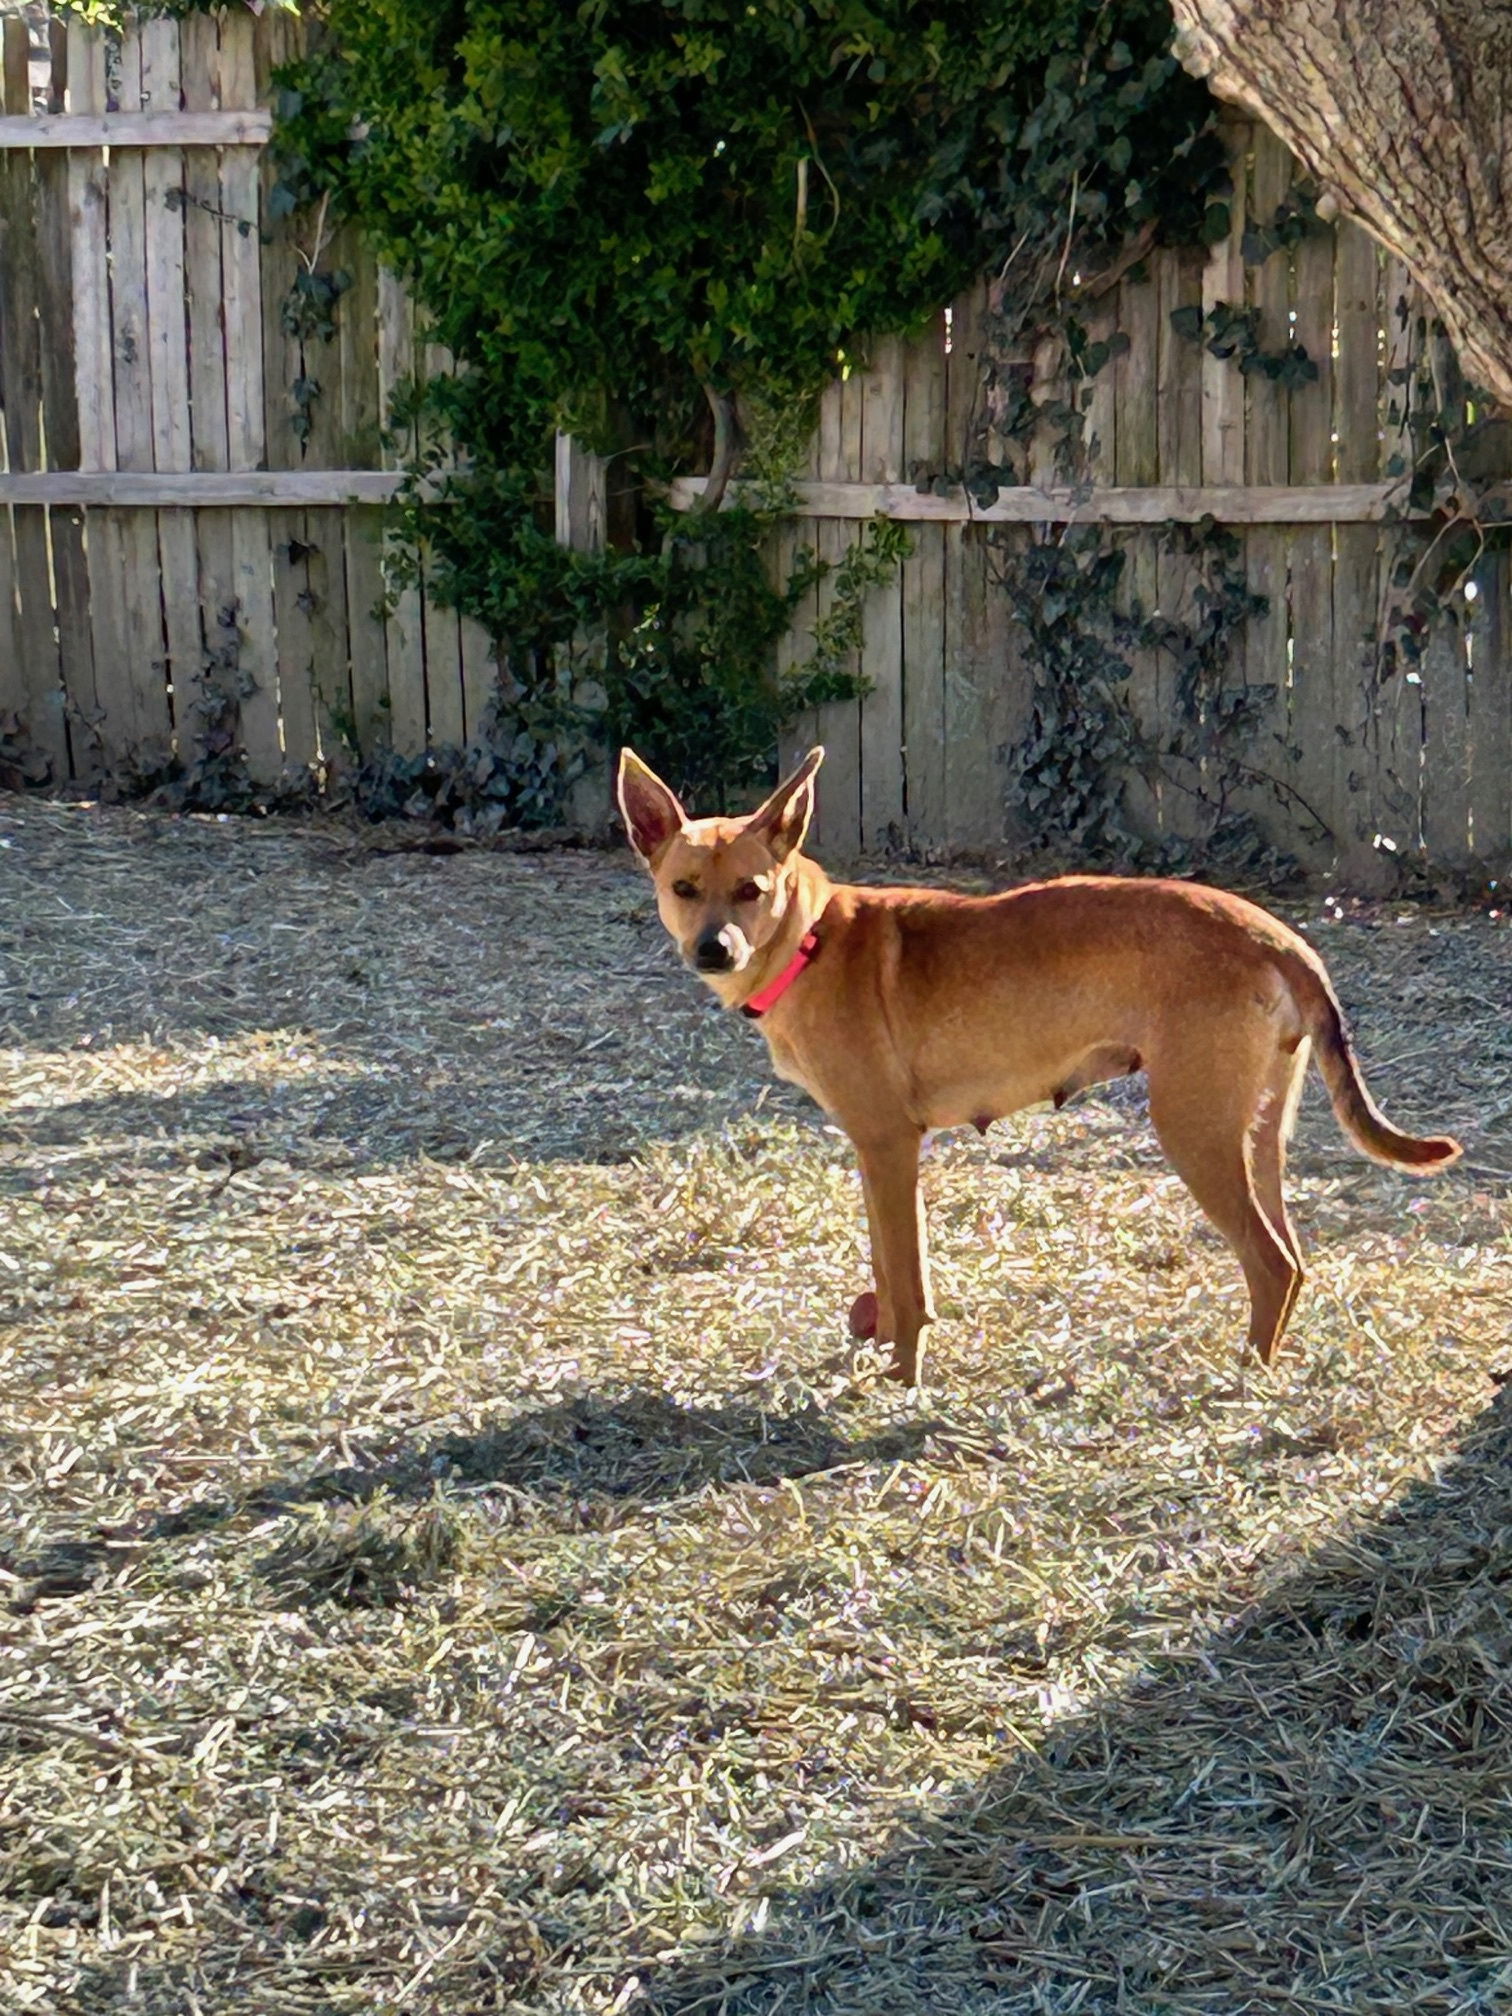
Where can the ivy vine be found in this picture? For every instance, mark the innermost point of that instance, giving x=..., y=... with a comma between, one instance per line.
x=1072, y=774
x=1116, y=156
x=1455, y=458
x=1086, y=748
x=1291, y=220
x=1233, y=334
x=1115, y=159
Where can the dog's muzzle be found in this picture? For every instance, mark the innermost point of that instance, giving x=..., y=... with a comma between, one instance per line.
x=714, y=955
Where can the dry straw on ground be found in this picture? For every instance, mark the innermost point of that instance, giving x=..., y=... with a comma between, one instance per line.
x=448, y=1567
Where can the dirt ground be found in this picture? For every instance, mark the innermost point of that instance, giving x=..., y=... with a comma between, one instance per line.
x=450, y=1562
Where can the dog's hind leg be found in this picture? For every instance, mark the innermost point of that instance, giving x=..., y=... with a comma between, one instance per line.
x=1206, y=1124
x=1268, y=1139
x=895, y=1214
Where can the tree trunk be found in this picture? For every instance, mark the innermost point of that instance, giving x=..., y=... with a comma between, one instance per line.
x=1403, y=111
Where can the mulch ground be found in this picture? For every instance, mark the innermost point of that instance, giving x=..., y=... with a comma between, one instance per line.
x=451, y=1562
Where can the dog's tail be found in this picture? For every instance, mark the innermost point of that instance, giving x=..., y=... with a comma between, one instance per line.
x=1357, y=1113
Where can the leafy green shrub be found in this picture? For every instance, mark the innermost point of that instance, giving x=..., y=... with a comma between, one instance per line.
x=609, y=205
x=622, y=218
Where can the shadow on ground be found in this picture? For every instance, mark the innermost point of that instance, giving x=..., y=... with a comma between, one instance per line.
x=372, y=1121
x=604, y=1460
x=1308, y=1812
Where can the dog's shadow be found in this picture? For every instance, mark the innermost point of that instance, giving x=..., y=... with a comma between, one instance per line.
x=630, y=1453
x=606, y=1460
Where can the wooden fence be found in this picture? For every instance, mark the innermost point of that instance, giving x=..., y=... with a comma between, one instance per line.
x=1347, y=765
x=160, y=514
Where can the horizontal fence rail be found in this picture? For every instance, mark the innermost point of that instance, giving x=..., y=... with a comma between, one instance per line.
x=251, y=128
x=99, y=489
x=1279, y=504
x=1357, y=503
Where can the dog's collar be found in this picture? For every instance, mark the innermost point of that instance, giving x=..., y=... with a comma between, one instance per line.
x=769, y=996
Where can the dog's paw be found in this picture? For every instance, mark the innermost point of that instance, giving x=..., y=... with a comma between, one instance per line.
x=863, y=1315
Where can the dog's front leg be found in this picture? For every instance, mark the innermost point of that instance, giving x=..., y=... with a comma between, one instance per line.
x=895, y=1214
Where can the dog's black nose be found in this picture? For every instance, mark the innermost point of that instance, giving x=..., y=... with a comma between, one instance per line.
x=712, y=955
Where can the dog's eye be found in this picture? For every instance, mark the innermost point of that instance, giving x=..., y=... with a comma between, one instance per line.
x=748, y=892
x=685, y=891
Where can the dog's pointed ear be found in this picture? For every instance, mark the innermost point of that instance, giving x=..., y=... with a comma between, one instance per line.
x=650, y=811
x=784, y=819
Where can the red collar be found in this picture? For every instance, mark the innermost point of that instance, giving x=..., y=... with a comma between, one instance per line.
x=769, y=996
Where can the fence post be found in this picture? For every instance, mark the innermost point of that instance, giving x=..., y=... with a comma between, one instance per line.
x=580, y=508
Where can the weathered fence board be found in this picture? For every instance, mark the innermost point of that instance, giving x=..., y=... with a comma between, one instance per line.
x=405, y=628
x=101, y=705
x=1358, y=278
x=1314, y=700
x=837, y=819
x=1181, y=368
x=20, y=387
x=323, y=531
x=973, y=797
x=922, y=586
x=793, y=649
x=168, y=365
x=189, y=546
x=1489, y=711
x=1223, y=285
x=60, y=427
x=1267, y=637
x=881, y=714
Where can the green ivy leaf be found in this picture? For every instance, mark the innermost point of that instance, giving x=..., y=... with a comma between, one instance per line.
x=1255, y=247
x=1187, y=322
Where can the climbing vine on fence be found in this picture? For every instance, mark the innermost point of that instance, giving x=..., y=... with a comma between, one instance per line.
x=1115, y=160
x=1070, y=772
x=1456, y=458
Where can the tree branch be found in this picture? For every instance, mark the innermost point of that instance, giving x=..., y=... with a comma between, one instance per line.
x=726, y=446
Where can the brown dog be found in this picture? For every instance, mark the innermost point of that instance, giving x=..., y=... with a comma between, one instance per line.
x=902, y=1010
